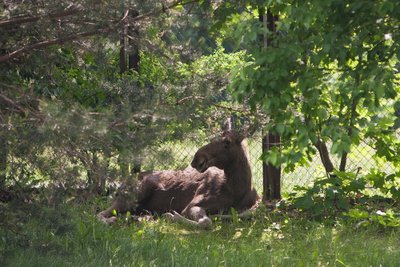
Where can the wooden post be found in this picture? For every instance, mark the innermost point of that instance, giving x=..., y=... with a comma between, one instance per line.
x=271, y=174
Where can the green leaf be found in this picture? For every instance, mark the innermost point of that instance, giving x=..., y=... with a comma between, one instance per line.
x=304, y=202
x=273, y=158
x=280, y=128
x=357, y=214
x=377, y=179
x=386, y=7
x=235, y=217
x=356, y=186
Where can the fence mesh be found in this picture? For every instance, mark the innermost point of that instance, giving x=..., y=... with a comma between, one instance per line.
x=178, y=155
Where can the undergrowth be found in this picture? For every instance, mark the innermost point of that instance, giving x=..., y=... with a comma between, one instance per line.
x=371, y=199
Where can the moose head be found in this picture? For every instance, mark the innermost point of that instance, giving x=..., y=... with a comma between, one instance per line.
x=219, y=153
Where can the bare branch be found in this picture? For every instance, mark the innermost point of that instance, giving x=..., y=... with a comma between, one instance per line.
x=27, y=19
x=46, y=43
x=163, y=9
x=12, y=103
x=28, y=107
x=191, y=97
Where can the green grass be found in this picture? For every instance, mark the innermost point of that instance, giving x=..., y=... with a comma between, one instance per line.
x=70, y=236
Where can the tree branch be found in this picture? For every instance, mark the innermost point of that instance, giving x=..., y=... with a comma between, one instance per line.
x=28, y=48
x=46, y=43
x=324, y=155
x=323, y=152
x=29, y=105
x=163, y=9
x=353, y=113
x=12, y=103
x=26, y=19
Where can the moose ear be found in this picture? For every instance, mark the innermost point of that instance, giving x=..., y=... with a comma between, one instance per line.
x=226, y=134
x=233, y=136
x=227, y=141
x=239, y=138
x=229, y=136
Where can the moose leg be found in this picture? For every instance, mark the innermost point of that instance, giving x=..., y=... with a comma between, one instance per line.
x=247, y=206
x=195, y=213
x=198, y=214
x=106, y=216
x=128, y=201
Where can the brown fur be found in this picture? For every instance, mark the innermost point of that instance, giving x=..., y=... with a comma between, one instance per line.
x=219, y=179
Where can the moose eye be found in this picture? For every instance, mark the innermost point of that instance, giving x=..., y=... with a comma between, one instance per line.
x=202, y=164
x=227, y=143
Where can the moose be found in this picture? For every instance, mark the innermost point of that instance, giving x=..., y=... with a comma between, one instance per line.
x=219, y=179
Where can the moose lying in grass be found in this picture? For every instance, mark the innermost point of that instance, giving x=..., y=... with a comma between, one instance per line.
x=219, y=180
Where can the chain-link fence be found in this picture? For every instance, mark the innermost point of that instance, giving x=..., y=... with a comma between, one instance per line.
x=178, y=155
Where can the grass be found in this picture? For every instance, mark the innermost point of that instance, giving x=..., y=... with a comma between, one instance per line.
x=69, y=235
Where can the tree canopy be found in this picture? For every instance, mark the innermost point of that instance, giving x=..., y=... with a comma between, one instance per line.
x=329, y=73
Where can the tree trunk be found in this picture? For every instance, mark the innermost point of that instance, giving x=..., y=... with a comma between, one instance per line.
x=324, y=155
x=133, y=41
x=343, y=160
x=122, y=50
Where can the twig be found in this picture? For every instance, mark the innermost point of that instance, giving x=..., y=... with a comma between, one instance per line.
x=195, y=97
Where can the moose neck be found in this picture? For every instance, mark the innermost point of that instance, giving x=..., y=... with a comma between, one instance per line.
x=238, y=172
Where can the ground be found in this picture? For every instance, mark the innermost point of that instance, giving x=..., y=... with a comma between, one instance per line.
x=70, y=235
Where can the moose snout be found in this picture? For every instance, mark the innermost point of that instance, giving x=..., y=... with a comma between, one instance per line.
x=199, y=163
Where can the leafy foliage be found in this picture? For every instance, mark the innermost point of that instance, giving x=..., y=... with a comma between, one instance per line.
x=369, y=199
x=328, y=196
x=329, y=73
